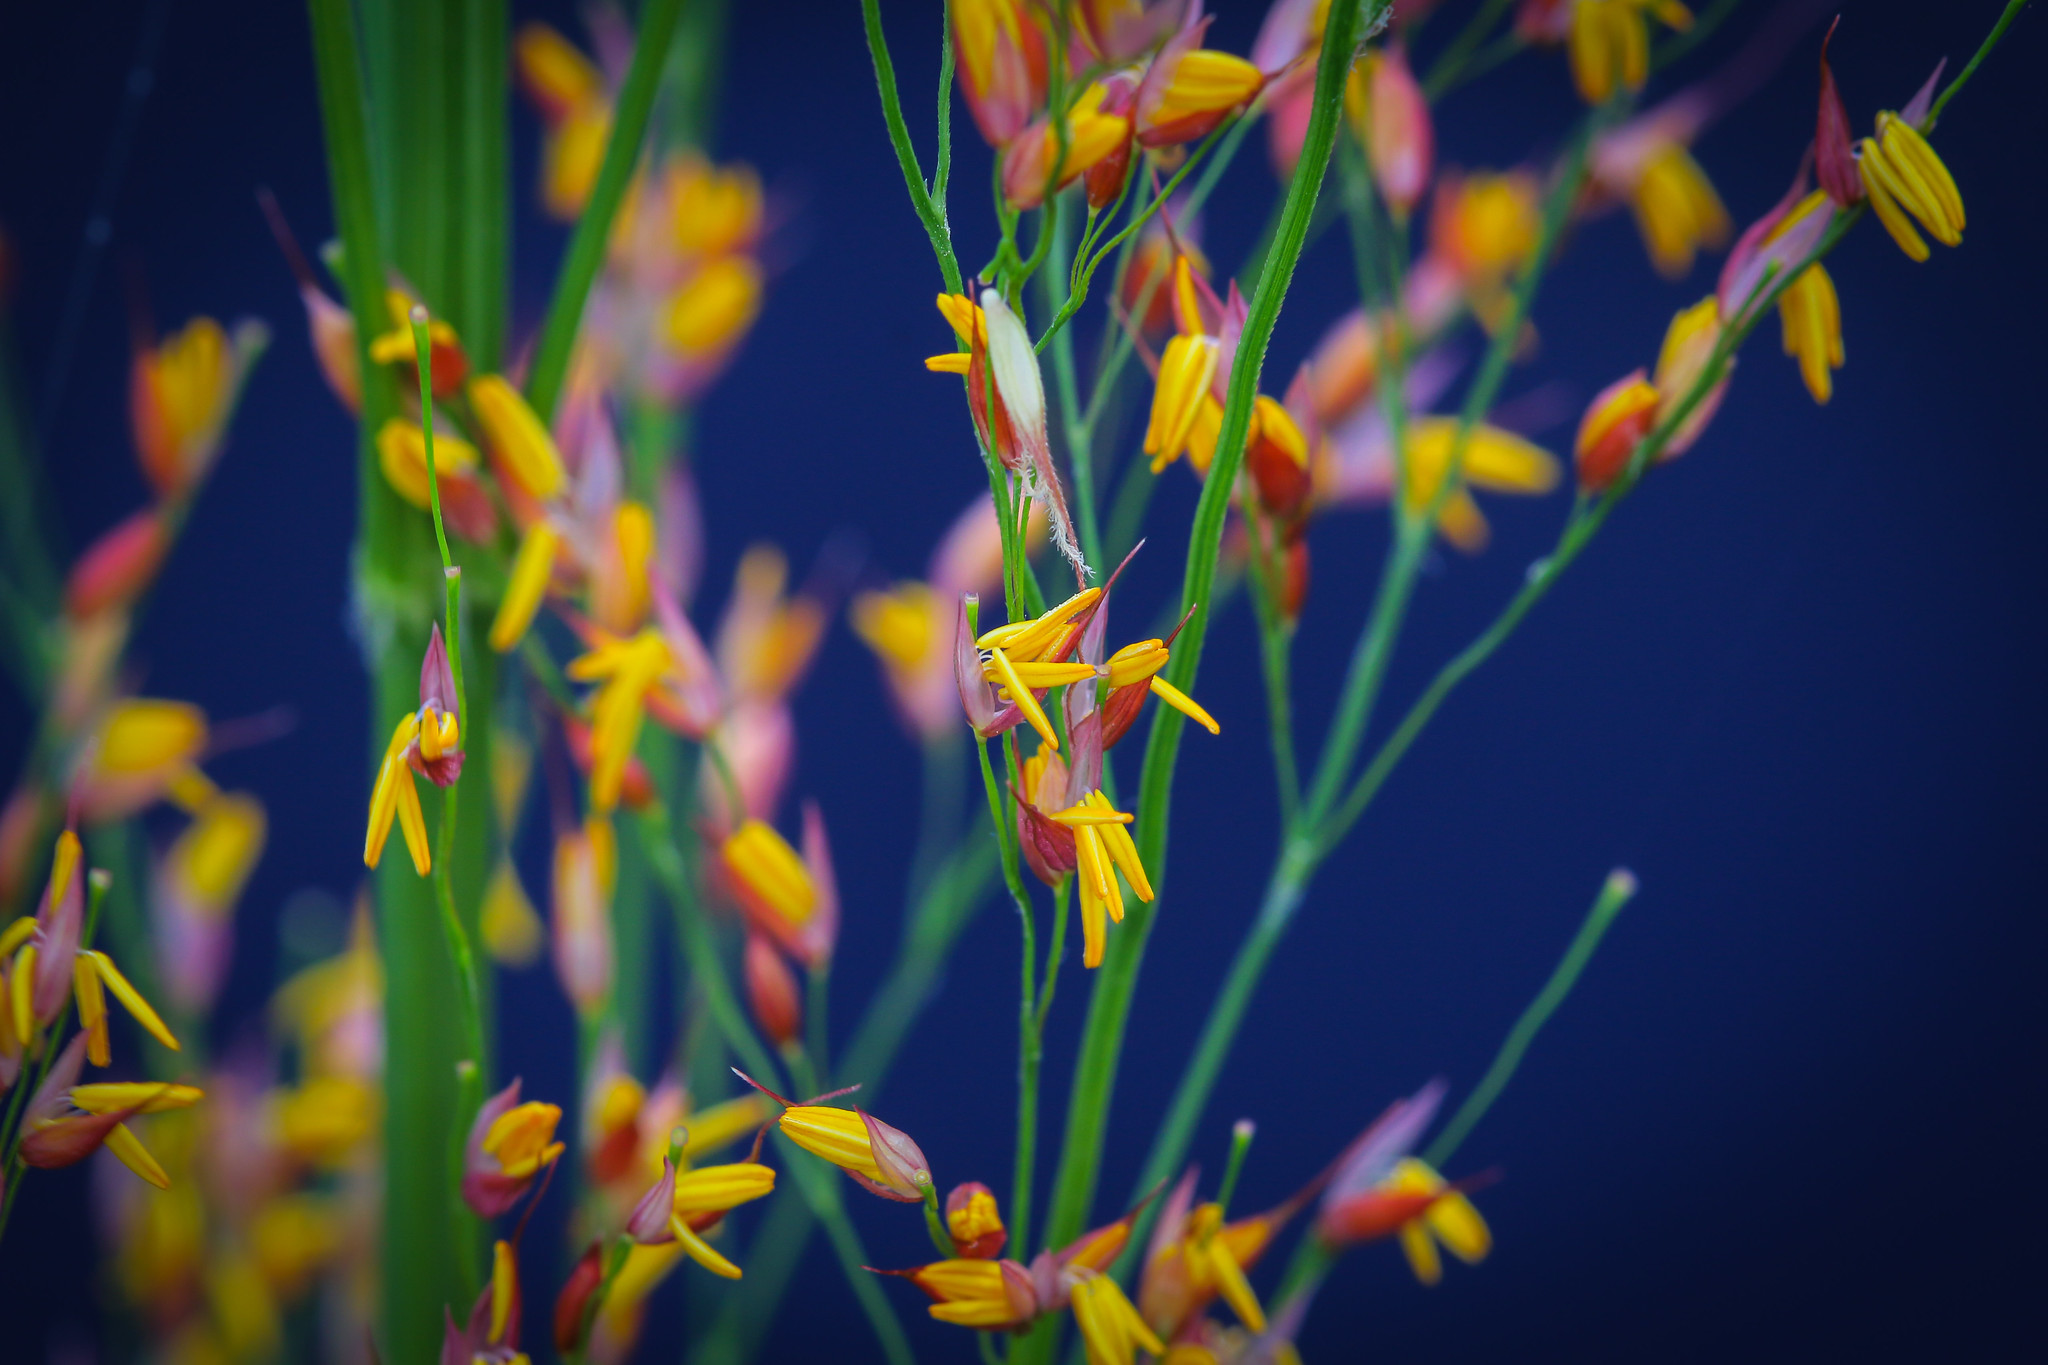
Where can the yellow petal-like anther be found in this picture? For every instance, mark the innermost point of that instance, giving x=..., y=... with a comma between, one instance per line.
x=16, y=934
x=1205, y=82
x=952, y=362
x=124, y=1144
x=837, y=1135
x=1136, y=662
x=1122, y=851
x=713, y=1189
x=1111, y=1329
x=384, y=795
x=144, y=1097
x=1235, y=1288
x=92, y=1010
x=130, y=998
x=516, y=436
x=532, y=568
x=1420, y=1249
x=1810, y=315
x=1029, y=639
x=63, y=865
x=22, y=994
x=1903, y=176
x=504, y=1288
x=759, y=857
x=1021, y=695
x=1183, y=703
x=701, y=1251
x=1040, y=675
x=1186, y=369
x=1084, y=814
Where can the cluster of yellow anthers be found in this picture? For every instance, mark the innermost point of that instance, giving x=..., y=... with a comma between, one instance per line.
x=1196, y=1255
x=271, y=1183
x=682, y=282
x=1065, y=824
x=43, y=970
x=1158, y=88
x=1904, y=182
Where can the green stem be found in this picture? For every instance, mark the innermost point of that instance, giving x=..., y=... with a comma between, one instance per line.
x=1109, y=1007
x=2011, y=12
x=1413, y=533
x=931, y=214
x=593, y=229
x=1444, y=72
x=1616, y=892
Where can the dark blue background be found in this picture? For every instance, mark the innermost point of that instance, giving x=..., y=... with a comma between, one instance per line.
x=1794, y=1109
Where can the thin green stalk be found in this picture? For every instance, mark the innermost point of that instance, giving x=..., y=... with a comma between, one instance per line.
x=482, y=222
x=469, y=1070
x=593, y=229
x=1444, y=72
x=1080, y=439
x=2006, y=16
x=1241, y=1134
x=1616, y=892
x=931, y=214
x=1109, y=1007
x=1374, y=650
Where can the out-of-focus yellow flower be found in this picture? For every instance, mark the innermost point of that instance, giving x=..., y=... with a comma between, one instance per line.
x=525, y=452
x=1111, y=1330
x=714, y=306
x=325, y=1119
x=447, y=363
x=1610, y=43
x=715, y=209
x=1615, y=422
x=244, y=1311
x=522, y=1139
x=290, y=1238
x=767, y=639
x=1677, y=211
x=1448, y=1218
x=1903, y=176
x=626, y=671
x=1103, y=848
x=897, y=624
x=402, y=455
x=146, y=749
x=1197, y=90
x=510, y=926
x=1496, y=460
x=577, y=108
x=1810, y=315
x=1689, y=344
x=527, y=584
x=211, y=861
x=181, y=392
